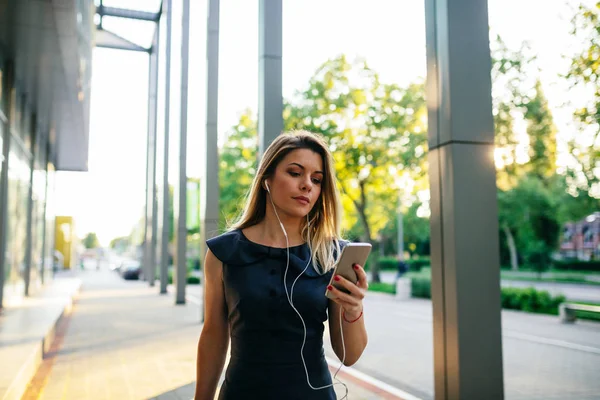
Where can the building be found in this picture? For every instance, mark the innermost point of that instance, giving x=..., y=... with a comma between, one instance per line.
x=45, y=70
x=581, y=239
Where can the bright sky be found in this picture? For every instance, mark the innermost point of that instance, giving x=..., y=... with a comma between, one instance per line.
x=389, y=34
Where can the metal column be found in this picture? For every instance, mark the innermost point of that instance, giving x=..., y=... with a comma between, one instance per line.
x=7, y=83
x=29, y=220
x=181, y=213
x=209, y=184
x=270, y=97
x=150, y=238
x=464, y=221
x=45, y=240
x=166, y=204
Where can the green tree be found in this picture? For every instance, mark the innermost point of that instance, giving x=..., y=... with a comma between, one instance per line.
x=118, y=242
x=237, y=167
x=375, y=131
x=584, y=75
x=542, y=135
x=90, y=241
x=540, y=232
x=509, y=71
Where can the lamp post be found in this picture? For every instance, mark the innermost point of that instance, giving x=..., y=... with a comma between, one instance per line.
x=400, y=228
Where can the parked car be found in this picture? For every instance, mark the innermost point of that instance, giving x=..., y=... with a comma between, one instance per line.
x=130, y=269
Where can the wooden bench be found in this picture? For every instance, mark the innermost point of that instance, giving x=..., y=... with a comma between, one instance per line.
x=566, y=311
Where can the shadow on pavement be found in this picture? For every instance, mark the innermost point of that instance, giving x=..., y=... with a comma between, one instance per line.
x=185, y=392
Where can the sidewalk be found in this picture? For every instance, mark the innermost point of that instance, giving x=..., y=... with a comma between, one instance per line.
x=125, y=341
x=28, y=329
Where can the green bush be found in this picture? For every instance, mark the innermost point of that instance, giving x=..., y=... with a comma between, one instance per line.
x=415, y=264
x=382, y=287
x=420, y=287
x=388, y=263
x=523, y=299
x=576, y=265
x=530, y=300
x=194, y=280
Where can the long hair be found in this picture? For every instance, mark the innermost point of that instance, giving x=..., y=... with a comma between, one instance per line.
x=323, y=219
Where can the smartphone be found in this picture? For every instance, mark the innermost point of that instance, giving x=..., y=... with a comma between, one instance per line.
x=352, y=253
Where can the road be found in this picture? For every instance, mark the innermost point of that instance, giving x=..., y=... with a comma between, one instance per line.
x=543, y=359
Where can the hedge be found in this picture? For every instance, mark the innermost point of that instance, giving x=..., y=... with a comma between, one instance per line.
x=420, y=287
x=531, y=300
x=190, y=279
x=523, y=299
x=414, y=264
x=576, y=265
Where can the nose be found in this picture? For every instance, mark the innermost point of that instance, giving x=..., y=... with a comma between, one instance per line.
x=307, y=184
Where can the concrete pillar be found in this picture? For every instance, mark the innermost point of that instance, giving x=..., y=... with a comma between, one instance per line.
x=166, y=204
x=270, y=97
x=181, y=210
x=151, y=222
x=464, y=221
x=209, y=182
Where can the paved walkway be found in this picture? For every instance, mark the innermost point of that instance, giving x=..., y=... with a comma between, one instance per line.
x=124, y=341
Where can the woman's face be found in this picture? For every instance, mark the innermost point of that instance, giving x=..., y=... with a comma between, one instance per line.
x=296, y=184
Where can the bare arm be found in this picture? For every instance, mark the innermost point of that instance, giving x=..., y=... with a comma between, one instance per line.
x=214, y=339
x=355, y=333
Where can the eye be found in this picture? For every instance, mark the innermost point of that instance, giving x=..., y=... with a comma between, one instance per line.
x=294, y=174
x=316, y=181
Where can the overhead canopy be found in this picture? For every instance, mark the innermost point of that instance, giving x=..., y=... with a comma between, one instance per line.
x=54, y=41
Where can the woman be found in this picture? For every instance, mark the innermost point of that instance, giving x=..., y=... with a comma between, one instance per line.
x=265, y=283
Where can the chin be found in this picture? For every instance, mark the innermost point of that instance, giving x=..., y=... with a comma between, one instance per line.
x=298, y=212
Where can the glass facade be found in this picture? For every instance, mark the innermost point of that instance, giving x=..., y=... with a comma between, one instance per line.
x=27, y=148
x=19, y=169
x=38, y=199
x=48, y=215
x=3, y=136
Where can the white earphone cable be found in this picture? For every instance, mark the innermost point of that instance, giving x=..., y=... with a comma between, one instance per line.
x=290, y=301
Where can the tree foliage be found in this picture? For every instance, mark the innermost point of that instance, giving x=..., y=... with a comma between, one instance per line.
x=237, y=167
x=375, y=132
x=518, y=96
x=584, y=75
x=90, y=241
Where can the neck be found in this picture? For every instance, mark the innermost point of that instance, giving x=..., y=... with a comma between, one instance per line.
x=271, y=230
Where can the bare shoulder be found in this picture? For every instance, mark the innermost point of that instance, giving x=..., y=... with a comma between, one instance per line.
x=212, y=264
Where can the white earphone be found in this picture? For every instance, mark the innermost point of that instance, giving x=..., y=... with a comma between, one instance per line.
x=290, y=300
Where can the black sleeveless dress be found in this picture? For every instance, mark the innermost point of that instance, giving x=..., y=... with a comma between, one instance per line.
x=266, y=333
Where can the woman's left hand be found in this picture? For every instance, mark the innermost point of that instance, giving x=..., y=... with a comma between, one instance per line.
x=352, y=303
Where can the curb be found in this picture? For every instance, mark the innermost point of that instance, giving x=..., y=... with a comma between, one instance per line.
x=40, y=348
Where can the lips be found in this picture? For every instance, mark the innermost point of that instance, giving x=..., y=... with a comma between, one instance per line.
x=302, y=199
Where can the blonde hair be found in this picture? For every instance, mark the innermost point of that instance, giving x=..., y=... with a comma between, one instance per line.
x=323, y=219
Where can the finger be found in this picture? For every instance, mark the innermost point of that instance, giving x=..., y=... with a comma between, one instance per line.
x=338, y=294
x=352, y=287
x=363, y=282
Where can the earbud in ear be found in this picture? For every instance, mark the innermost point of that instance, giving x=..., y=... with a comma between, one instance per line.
x=267, y=186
